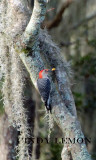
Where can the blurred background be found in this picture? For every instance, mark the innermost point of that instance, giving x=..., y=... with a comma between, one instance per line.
x=72, y=25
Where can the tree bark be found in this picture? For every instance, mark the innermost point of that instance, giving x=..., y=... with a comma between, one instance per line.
x=25, y=38
x=8, y=139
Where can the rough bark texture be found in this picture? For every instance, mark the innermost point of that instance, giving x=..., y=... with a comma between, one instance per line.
x=34, y=50
x=8, y=139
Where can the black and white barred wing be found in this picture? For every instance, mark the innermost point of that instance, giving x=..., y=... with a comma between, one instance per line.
x=44, y=87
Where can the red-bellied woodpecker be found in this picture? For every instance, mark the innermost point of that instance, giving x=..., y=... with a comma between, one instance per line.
x=44, y=87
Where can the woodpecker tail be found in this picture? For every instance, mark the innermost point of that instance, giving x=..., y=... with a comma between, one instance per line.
x=48, y=106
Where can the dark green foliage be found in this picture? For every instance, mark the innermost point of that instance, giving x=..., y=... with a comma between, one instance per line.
x=56, y=151
x=94, y=156
x=92, y=43
x=78, y=99
x=86, y=64
x=85, y=76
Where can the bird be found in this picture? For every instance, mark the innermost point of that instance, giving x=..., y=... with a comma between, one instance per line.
x=44, y=87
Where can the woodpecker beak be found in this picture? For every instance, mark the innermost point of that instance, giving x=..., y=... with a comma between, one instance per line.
x=53, y=69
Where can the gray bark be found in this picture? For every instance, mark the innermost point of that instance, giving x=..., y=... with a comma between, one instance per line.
x=36, y=51
x=8, y=139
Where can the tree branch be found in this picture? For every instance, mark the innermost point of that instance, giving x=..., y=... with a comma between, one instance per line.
x=52, y=55
x=63, y=107
x=58, y=18
x=65, y=154
x=32, y=29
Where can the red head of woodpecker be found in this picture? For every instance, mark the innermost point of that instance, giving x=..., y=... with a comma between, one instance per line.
x=44, y=87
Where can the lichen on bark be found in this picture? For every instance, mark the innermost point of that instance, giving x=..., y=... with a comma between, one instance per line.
x=25, y=35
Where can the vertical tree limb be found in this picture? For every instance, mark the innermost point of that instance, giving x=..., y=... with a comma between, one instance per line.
x=8, y=139
x=66, y=121
x=29, y=52
x=51, y=53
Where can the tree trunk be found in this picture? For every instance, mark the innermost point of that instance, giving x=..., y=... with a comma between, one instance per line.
x=8, y=139
x=35, y=48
